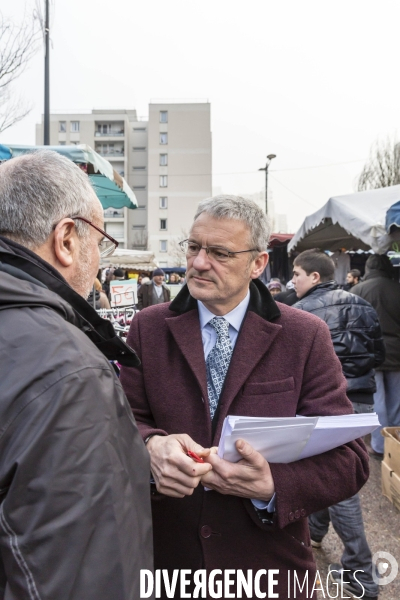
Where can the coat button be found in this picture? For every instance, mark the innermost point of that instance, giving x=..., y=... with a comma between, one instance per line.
x=297, y=514
x=205, y=531
x=303, y=512
x=291, y=516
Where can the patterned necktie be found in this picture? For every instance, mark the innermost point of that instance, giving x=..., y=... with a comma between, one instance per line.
x=217, y=362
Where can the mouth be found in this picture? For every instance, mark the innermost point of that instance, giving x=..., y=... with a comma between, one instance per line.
x=200, y=279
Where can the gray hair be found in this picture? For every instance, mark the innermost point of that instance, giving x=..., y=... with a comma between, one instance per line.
x=241, y=209
x=37, y=190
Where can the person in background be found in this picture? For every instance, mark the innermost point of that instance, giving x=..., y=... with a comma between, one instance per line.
x=275, y=287
x=289, y=296
x=75, y=519
x=174, y=278
x=227, y=348
x=358, y=343
x=154, y=291
x=103, y=300
x=119, y=274
x=381, y=289
x=352, y=278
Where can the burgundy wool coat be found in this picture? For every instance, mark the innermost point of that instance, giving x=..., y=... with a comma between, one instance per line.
x=283, y=364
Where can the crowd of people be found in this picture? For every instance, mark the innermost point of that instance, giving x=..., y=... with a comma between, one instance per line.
x=102, y=478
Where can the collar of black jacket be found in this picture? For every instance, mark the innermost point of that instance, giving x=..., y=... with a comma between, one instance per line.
x=261, y=301
x=374, y=273
x=321, y=288
x=26, y=265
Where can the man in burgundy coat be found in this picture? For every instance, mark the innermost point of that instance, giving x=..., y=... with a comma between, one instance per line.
x=224, y=347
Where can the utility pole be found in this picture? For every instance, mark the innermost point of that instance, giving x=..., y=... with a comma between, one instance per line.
x=47, y=76
x=269, y=158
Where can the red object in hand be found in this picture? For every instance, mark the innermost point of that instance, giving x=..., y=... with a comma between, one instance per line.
x=195, y=456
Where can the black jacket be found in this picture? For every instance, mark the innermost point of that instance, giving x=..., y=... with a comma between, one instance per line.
x=384, y=294
x=75, y=520
x=355, y=333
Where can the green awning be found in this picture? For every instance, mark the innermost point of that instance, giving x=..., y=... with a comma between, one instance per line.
x=109, y=194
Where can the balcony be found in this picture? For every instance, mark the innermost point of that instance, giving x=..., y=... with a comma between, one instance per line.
x=107, y=151
x=109, y=134
x=108, y=129
x=113, y=213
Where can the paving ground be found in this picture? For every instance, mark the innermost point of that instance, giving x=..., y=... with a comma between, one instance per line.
x=382, y=525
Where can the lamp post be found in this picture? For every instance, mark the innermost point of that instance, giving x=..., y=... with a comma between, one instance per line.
x=269, y=158
x=47, y=77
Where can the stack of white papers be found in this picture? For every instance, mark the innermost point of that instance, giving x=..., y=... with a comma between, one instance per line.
x=286, y=439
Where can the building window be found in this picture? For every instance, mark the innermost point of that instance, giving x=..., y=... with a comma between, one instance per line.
x=163, y=138
x=163, y=245
x=139, y=148
x=61, y=143
x=163, y=116
x=75, y=126
x=163, y=202
x=62, y=126
x=163, y=224
x=163, y=180
x=163, y=160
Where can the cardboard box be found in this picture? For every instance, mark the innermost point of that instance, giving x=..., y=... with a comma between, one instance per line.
x=392, y=448
x=391, y=485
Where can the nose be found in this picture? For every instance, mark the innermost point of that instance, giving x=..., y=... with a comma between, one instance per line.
x=201, y=262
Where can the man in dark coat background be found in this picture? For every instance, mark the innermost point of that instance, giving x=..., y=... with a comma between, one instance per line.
x=75, y=520
x=154, y=291
x=225, y=347
x=357, y=340
x=381, y=288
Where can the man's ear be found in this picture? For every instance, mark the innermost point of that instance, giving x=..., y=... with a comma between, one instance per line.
x=315, y=278
x=259, y=265
x=65, y=242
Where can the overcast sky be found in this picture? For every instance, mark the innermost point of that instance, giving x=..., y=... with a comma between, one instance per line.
x=314, y=82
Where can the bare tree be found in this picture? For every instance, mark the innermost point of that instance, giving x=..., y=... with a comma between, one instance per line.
x=18, y=43
x=383, y=166
x=175, y=251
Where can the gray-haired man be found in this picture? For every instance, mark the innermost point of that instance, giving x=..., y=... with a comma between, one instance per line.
x=225, y=347
x=75, y=517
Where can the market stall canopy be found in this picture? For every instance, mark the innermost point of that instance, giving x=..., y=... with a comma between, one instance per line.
x=354, y=222
x=393, y=217
x=111, y=189
x=141, y=260
x=279, y=239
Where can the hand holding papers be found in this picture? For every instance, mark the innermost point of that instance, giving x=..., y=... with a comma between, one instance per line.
x=284, y=440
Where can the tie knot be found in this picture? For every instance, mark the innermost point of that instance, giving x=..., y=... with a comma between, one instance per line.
x=220, y=325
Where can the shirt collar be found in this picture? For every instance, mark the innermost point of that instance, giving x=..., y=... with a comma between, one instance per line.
x=234, y=317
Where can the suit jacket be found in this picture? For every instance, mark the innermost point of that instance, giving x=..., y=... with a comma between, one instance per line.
x=283, y=364
x=145, y=295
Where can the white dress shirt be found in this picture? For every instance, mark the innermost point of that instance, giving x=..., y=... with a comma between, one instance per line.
x=209, y=336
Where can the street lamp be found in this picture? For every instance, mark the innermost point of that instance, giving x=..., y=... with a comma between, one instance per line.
x=269, y=158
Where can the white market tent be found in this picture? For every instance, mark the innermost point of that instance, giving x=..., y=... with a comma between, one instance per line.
x=354, y=222
x=141, y=260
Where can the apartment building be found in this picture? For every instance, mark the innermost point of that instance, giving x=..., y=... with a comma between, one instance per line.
x=166, y=160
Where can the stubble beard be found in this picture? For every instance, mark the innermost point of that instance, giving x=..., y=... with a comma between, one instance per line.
x=83, y=281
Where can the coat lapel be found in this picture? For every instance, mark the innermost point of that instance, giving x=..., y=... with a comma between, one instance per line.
x=254, y=341
x=185, y=329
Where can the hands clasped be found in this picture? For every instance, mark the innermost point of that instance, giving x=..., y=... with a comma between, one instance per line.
x=177, y=475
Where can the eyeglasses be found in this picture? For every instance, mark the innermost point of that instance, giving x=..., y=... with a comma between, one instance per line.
x=107, y=245
x=213, y=252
